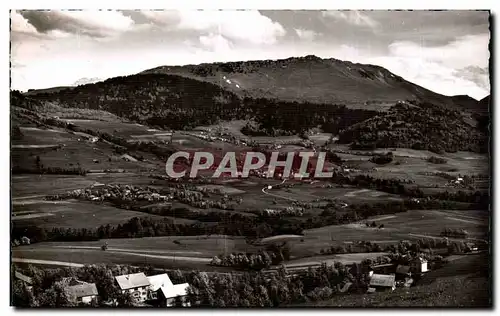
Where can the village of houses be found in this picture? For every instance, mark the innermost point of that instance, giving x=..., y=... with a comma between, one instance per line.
x=147, y=291
x=159, y=291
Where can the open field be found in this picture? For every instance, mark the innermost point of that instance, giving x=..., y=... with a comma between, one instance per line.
x=186, y=252
x=64, y=149
x=75, y=214
x=120, y=129
x=402, y=226
x=231, y=127
x=411, y=225
x=346, y=259
x=198, y=246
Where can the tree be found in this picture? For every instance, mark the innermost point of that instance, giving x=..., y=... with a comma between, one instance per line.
x=55, y=296
x=17, y=134
x=126, y=300
x=21, y=295
x=178, y=301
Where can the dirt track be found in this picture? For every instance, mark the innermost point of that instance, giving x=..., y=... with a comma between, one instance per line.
x=55, y=263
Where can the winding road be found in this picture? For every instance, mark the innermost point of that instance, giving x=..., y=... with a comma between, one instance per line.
x=275, y=195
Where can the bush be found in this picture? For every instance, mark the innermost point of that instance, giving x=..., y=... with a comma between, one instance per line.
x=450, y=232
x=382, y=159
x=320, y=293
x=436, y=160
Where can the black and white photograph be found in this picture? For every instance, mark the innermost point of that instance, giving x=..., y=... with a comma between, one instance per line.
x=223, y=158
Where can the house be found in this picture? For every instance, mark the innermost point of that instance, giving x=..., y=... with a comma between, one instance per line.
x=178, y=291
x=419, y=265
x=80, y=292
x=137, y=284
x=26, y=279
x=165, y=293
x=382, y=282
x=403, y=272
x=386, y=268
x=470, y=247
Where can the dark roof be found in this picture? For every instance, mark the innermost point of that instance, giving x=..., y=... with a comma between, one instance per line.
x=82, y=290
x=23, y=277
x=403, y=269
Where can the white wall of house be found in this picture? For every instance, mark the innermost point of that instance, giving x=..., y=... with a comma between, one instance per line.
x=88, y=299
x=139, y=293
x=424, y=267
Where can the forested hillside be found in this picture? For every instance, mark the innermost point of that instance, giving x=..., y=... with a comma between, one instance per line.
x=422, y=126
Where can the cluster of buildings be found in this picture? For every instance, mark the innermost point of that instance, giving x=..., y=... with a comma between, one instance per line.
x=156, y=290
x=101, y=192
x=289, y=211
x=386, y=277
x=459, y=182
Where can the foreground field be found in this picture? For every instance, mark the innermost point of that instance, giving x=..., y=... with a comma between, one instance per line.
x=164, y=252
x=73, y=214
x=462, y=291
x=305, y=250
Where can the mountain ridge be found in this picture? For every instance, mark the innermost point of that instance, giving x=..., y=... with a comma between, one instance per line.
x=314, y=79
x=309, y=79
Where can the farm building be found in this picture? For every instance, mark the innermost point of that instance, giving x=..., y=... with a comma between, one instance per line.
x=165, y=293
x=137, y=284
x=80, y=292
x=382, y=282
x=419, y=265
x=26, y=279
x=387, y=268
x=470, y=247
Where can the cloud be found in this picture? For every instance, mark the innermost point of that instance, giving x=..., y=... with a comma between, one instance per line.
x=478, y=75
x=247, y=26
x=89, y=23
x=462, y=52
x=307, y=35
x=352, y=17
x=14, y=64
x=215, y=43
x=459, y=67
x=432, y=75
x=19, y=24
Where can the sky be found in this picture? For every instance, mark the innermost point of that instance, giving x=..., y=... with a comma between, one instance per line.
x=444, y=51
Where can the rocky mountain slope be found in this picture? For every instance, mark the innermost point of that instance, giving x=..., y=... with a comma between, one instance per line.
x=313, y=79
